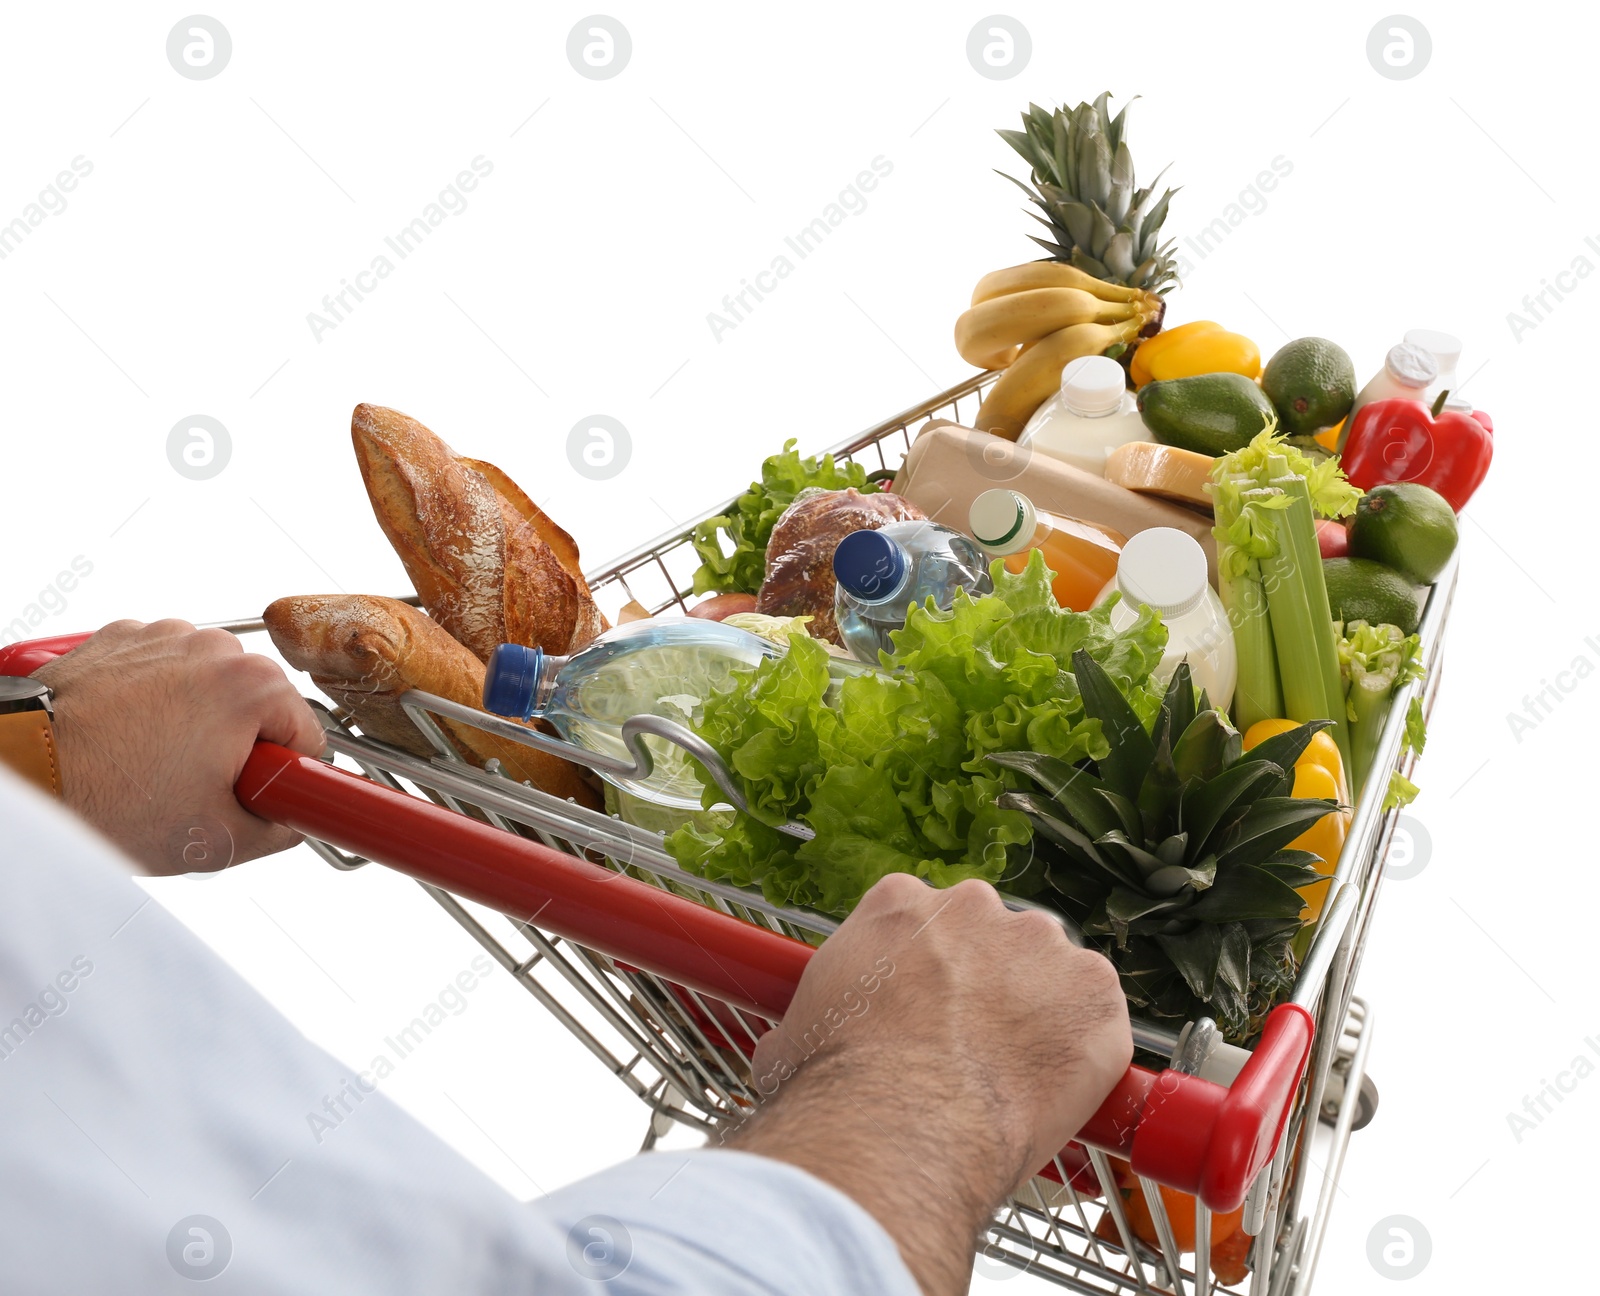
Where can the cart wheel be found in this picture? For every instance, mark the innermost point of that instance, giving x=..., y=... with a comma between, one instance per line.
x=1366, y=1104
x=1333, y=1099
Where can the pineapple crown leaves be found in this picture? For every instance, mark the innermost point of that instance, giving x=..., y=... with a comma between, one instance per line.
x=1173, y=849
x=1083, y=182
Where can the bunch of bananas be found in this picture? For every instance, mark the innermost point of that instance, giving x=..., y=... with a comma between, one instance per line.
x=1030, y=320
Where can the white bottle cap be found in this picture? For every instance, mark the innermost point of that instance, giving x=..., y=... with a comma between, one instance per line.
x=1411, y=366
x=1164, y=568
x=1093, y=386
x=1445, y=348
x=1002, y=521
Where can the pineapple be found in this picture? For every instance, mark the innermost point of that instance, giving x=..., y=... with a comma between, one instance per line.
x=1083, y=182
x=1170, y=853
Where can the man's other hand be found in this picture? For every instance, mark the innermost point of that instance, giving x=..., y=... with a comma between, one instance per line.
x=153, y=726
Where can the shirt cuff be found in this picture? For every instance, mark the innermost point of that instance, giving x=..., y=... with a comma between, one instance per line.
x=722, y=1223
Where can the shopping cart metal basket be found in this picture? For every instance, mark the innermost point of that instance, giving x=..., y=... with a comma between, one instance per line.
x=669, y=980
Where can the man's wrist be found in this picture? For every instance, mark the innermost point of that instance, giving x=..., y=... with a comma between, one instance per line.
x=918, y=1173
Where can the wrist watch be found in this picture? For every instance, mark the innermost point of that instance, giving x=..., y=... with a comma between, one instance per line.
x=27, y=736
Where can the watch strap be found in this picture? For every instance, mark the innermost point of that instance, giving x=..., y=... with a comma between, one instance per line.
x=28, y=748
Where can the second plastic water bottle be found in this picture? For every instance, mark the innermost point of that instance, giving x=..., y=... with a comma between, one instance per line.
x=881, y=573
x=655, y=667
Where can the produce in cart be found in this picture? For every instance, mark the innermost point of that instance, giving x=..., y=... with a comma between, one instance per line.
x=894, y=778
x=747, y=528
x=1102, y=286
x=1171, y=851
x=1267, y=498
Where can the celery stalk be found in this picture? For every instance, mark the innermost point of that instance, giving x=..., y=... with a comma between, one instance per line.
x=1257, y=695
x=1294, y=626
x=1371, y=695
x=1376, y=661
x=1300, y=522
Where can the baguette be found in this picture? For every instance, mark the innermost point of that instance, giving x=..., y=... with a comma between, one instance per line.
x=364, y=651
x=487, y=563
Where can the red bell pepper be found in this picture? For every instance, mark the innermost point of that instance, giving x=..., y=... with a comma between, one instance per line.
x=1404, y=441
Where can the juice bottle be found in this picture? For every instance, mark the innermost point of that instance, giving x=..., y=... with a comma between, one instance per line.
x=1083, y=555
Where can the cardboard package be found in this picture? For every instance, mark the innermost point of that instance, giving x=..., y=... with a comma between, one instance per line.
x=949, y=466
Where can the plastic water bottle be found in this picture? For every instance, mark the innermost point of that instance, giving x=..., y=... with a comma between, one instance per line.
x=881, y=573
x=655, y=667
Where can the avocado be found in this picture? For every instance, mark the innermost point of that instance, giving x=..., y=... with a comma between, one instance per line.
x=1362, y=590
x=1407, y=526
x=1311, y=382
x=1210, y=414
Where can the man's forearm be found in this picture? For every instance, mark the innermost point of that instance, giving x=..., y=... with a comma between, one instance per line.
x=891, y=1155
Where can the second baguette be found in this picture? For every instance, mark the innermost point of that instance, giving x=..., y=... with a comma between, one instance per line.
x=364, y=651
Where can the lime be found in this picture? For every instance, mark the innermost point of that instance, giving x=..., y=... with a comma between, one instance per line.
x=1407, y=526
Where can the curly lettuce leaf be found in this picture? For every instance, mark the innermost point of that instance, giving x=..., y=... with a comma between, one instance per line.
x=747, y=527
x=893, y=775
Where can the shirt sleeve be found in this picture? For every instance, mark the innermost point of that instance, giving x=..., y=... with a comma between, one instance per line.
x=161, y=1123
x=736, y=1222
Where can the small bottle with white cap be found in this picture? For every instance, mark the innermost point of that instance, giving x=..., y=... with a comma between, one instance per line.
x=1445, y=348
x=1092, y=414
x=1083, y=555
x=1408, y=372
x=1165, y=569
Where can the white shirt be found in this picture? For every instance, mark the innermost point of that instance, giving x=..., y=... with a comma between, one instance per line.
x=153, y=1131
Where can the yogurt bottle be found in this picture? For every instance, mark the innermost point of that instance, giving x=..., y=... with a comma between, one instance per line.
x=1092, y=414
x=1445, y=348
x=1165, y=569
x=1407, y=374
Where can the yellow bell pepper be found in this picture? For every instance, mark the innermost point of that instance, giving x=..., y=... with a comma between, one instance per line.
x=1201, y=347
x=1321, y=750
x=1318, y=773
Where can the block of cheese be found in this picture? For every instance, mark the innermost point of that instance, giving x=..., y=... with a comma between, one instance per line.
x=1154, y=469
x=949, y=466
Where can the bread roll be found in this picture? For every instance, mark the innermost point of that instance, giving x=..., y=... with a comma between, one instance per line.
x=486, y=562
x=364, y=652
x=799, y=576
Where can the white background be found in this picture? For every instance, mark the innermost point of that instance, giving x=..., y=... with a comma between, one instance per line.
x=578, y=281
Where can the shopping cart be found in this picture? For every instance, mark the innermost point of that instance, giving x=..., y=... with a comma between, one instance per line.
x=669, y=979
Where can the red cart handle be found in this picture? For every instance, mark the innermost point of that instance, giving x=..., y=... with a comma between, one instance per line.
x=26, y=657
x=1178, y=1129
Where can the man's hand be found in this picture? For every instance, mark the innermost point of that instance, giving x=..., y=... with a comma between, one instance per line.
x=939, y=1051
x=153, y=725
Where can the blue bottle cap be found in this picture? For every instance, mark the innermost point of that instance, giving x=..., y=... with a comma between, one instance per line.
x=511, y=680
x=869, y=565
